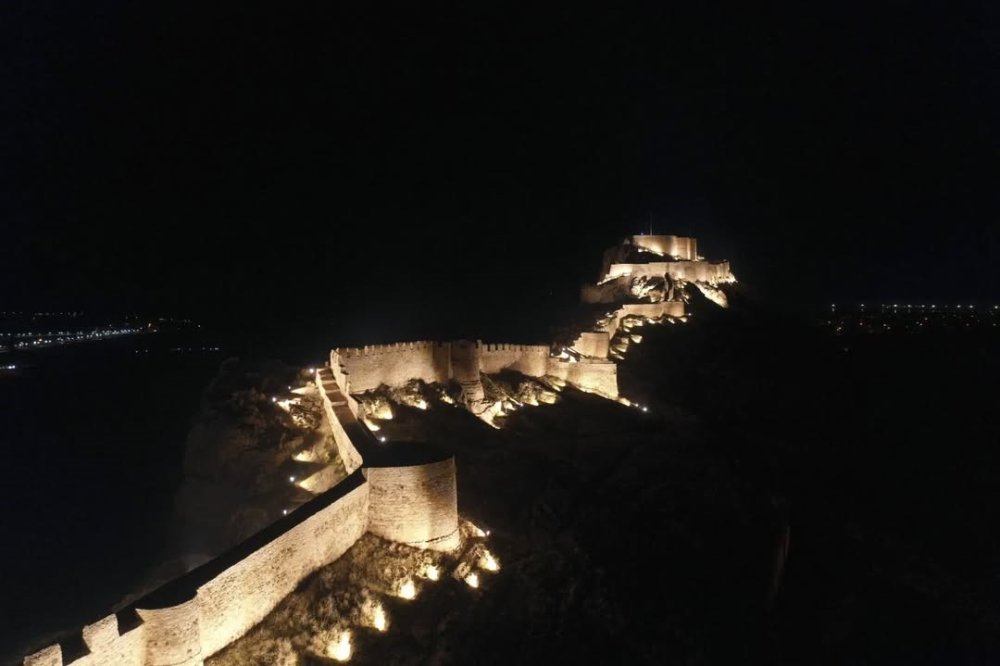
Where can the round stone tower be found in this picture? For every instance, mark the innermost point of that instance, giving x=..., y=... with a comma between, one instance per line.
x=465, y=370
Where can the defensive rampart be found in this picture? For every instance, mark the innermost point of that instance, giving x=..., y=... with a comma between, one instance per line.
x=341, y=412
x=678, y=247
x=593, y=344
x=416, y=505
x=194, y=616
x=395, y=364
x=647, y=310
x=365, y=368
x=530, y=360
x=588, y=375
x=691, y=271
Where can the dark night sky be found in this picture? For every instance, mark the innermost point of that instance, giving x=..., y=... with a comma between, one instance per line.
x=228, y=160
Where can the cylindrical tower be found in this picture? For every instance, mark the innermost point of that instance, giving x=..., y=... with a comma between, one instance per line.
x=465, y=370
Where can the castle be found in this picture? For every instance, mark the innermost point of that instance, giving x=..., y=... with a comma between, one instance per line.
x=410, y=499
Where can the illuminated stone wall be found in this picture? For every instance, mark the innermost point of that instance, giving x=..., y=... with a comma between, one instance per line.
x=593, y=343
x=364, y=367
x=679, y=247
x=530, y=360
x=360, y=369
x=700, y=271
x=465, y=369
x=596, y=376
x=341, y=381
x=321, y=481
x=240, y=597
x=230, y=602
x=394, y=365
x=50, y=656
x=172, y=634
x=230, y=594
x=337, y=405
x=106, y=646
x=705, y=271
x=416, y=505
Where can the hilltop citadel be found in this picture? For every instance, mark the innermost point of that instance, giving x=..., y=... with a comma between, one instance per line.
x=399, y=491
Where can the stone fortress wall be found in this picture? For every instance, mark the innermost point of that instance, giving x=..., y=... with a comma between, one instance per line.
x=593, y=344
x=194, y=616
x=647, y=310
x=615, y=282
x=465, y=370
x=396, y=364
x=241, y=596
x=689, y=271
x=678, y=247
x=589, y=375
x=530, y=360
x=198, y=614
x=368, y=367
x=415, y=505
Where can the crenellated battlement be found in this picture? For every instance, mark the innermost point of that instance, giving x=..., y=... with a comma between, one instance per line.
x=488, y=347
x=392, y=348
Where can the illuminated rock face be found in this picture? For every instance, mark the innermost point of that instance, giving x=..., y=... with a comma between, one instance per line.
x=341, y=412
x=198, y=614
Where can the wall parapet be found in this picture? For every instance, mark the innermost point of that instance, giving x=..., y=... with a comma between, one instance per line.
x=505, y=346
x=391, y=348
x=195, y=615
